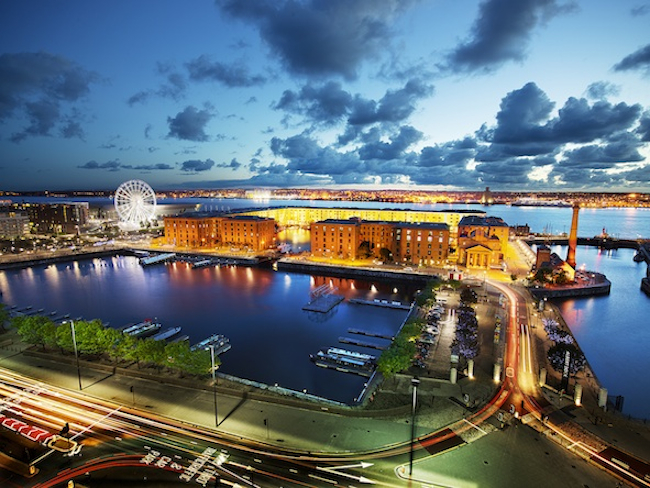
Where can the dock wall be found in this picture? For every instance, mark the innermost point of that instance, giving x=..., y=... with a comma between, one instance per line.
x=352, y=272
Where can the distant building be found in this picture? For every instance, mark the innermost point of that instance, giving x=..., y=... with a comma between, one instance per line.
x=13, y=223
x=57, y=218
x=482, y=241
x=487, y=198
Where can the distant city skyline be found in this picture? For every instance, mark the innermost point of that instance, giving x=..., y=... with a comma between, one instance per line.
x=517, y=95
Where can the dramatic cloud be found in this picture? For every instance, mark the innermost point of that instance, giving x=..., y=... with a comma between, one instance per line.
x=326, y=104
x=174, y=86
x=638, y=60
x=321, y=37
x=233, y=75
x=394, y=106
x=524, y=114
x=394, y=149
x=189, y=124
x=532, y=145
x=196, y=165
x=600, y=90
x=40, y=87
x=329, y=105
x=109, y=165
x=233, y=165
x=501, y=33
x=150, y=167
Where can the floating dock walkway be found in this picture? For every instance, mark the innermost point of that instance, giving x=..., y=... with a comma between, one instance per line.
x=381, y=303
x=323, y=303
x=159, y=258
x=357, y=342
x=370, y=334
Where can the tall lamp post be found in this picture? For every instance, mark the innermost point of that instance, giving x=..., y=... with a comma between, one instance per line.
x=76, y=353
x=214, y=386
x=415, y=381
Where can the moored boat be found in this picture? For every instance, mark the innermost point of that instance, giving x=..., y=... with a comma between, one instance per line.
x=167, y=333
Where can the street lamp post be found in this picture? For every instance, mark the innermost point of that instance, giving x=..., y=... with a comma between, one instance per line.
x=76, y=353
x=214, y=386
x=415, y=381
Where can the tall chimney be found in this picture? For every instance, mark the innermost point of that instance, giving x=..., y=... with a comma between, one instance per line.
x=573, y=237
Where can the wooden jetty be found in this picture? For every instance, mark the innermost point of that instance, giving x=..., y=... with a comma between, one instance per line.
x=358, y=342
x=370, y=334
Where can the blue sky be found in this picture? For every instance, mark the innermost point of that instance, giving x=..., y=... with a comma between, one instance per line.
x=522, y=95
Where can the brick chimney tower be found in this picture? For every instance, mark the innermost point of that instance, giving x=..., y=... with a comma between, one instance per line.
x=573, y=237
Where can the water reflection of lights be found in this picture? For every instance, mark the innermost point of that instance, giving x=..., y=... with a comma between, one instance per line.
x=249, y=275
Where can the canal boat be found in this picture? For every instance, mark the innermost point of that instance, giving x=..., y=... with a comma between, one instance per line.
x=220, y=343
x=344, y=364
x=143, y=329
x=202, y=264
x=167, y=333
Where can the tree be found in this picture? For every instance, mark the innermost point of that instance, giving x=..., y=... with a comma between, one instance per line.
x=363, y=251
x=151, y=351
x=36, y=329
x=89, y=337
x=543, y=275
x=467, y=295
x=557, y=357
x=4, y=316
x=63, y=338
x=385, y=255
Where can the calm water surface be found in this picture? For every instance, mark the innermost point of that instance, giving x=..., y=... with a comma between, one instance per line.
x=614, y=331
x=258, y=309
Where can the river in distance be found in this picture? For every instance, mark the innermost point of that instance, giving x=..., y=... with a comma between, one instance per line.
x=259, y=310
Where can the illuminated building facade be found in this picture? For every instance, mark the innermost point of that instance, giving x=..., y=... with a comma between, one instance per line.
x=304, y=216
x=410, y=243
x=251, y=232
x=332, y=237
x=482, y=241
x=421, y=244
x=57, y=218
x=209, y=231
x=193, y=230
x=13, y=223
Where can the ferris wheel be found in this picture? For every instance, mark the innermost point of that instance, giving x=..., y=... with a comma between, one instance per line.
x=135, y=202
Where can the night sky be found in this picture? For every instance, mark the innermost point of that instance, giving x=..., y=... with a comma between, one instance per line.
x=435, y=94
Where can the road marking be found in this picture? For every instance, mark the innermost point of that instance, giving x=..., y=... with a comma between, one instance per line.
x=475, y=426
x=323, y=479
x=96, y=422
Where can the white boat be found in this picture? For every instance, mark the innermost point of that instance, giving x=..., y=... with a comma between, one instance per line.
x=167, y=333
x=220, y=343
x=143, y=329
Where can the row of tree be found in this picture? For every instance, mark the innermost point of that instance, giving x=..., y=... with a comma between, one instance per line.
x=94, y=340
x=564, y=347
x=400, y=355
x=465, y=343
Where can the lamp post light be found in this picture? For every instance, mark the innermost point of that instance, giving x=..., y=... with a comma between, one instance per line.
x=415, y=381
x=76, y=353
x=214, y=386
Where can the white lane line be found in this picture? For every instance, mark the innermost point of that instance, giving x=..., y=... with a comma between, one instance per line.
x=96, y=422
